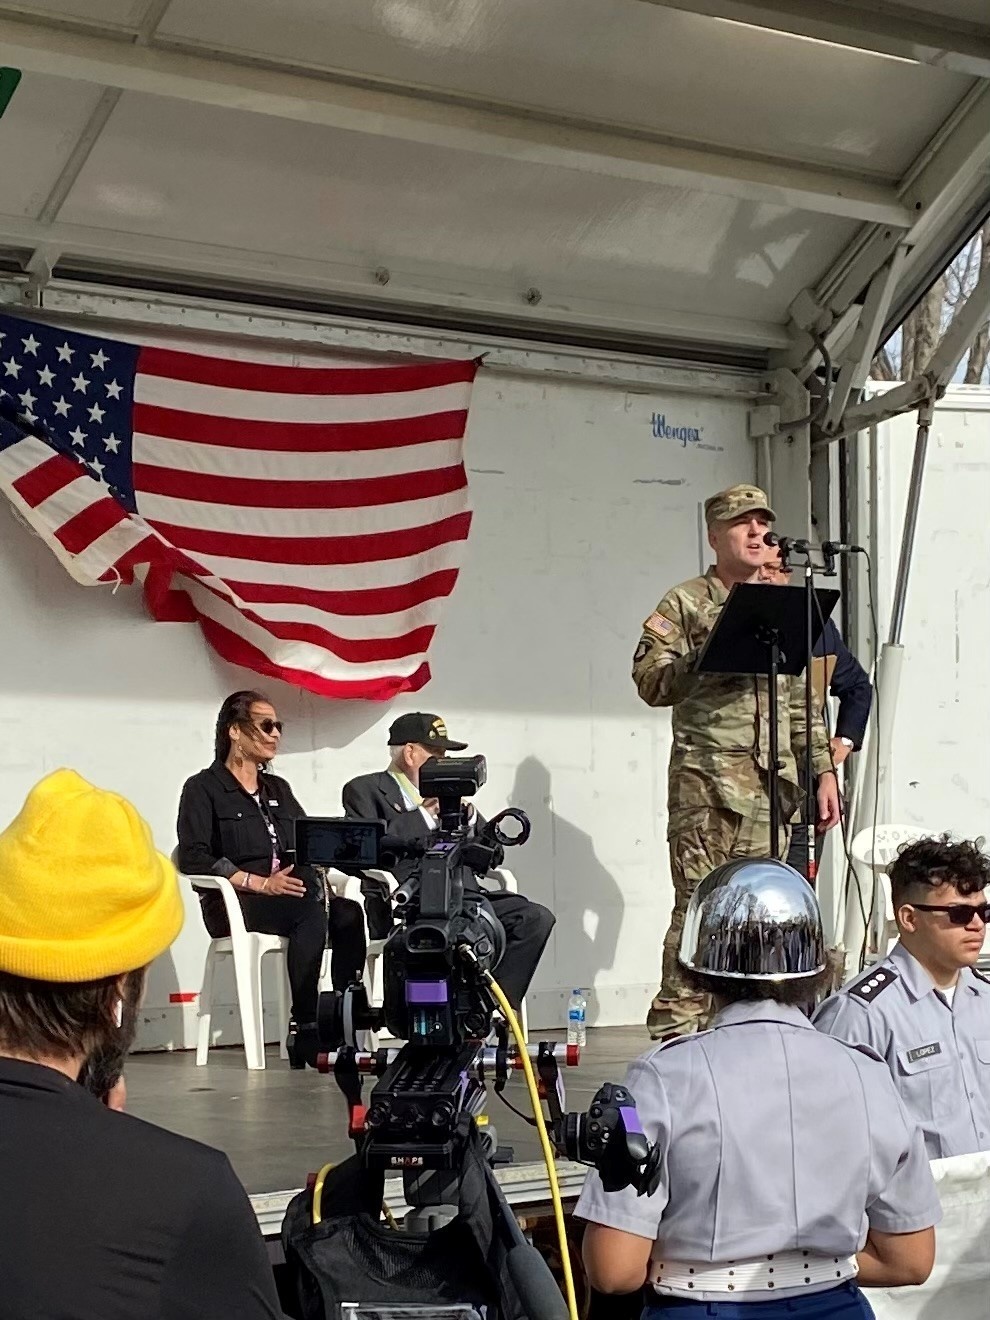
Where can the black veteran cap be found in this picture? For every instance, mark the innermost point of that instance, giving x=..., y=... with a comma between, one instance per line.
x=426, y=730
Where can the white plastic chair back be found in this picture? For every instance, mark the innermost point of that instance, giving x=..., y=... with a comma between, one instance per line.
x=349, y=886
x=877, y=849
x=247, y=948
x=502, y=878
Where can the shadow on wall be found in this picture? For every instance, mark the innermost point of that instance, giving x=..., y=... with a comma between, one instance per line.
x=560, y=868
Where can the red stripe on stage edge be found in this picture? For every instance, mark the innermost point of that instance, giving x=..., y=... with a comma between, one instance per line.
x=297, y=437
x=183, y=996
x=315, y=550
x=267, y=378
x=239, y=652
x=86, y=527
x=269, y=493
x=49, y=477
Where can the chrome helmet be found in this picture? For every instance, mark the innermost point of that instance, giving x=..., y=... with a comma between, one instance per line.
x=753, y=919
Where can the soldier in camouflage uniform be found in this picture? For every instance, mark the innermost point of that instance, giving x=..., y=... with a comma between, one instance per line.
x=718, y=805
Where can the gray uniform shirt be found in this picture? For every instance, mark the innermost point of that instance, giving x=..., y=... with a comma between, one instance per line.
x=938, y=1055
x=774, y=1138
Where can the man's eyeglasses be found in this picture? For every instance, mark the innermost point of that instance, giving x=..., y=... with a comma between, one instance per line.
x=268, y=726
x=959, y=914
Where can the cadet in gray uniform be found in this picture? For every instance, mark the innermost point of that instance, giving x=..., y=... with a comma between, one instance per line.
x=925, y=1008
x=790, y=1165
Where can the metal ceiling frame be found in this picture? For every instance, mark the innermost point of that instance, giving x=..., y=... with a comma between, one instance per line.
x=849, y=308
x=898, y=30
x=408, y=115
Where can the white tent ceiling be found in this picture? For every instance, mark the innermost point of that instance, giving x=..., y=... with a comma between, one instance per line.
x=702, y=176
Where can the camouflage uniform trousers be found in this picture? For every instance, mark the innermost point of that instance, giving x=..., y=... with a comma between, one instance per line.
x=694, y=853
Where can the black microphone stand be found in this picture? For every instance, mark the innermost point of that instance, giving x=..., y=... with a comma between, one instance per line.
x=810, y=798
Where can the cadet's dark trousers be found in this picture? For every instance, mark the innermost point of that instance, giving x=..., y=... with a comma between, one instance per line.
x=844, y=1303
x=676, y=1009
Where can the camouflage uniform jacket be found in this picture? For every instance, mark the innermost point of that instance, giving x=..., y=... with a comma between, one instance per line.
x=720, y=724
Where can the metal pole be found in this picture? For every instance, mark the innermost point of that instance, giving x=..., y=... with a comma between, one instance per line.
x=773, y=770
x=925, y=414
x=810, y=797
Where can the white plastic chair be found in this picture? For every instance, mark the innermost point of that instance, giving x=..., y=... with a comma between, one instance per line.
x=508, y=884
x=247, y=948
x=349, y=886
x=877, y=849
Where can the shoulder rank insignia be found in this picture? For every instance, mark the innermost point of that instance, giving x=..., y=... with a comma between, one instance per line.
x=873, y=985
x=980, y=976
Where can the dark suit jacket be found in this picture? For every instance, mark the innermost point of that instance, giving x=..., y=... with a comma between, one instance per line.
x=850, y=683
x=378, y=797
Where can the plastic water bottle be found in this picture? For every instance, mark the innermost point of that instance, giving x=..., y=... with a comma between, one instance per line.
x=577, y=1009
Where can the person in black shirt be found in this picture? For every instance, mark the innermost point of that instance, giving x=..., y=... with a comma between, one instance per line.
x=101, y=1214
x=237, y=820
x=837, y=672
x=393, y=796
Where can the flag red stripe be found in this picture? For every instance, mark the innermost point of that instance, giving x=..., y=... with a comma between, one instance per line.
x=376, y=600
x=265, y=493
x=237, y=651
x=352, y=650
x=86, y=527
x=317, y=549
x=45, y=480
x=147, y=551
x=297, y=437
x=267, y=378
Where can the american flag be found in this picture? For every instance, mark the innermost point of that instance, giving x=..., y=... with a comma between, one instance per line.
x=310, y=519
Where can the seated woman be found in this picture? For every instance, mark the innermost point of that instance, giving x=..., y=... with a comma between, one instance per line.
x=237, y=820
x=160, y=1226
x=790, y=1175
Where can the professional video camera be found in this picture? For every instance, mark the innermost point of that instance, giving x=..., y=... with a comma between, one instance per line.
x=439, y=966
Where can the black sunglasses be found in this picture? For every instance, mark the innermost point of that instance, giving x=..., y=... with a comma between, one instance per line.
x=959, y=914
x=268, y=726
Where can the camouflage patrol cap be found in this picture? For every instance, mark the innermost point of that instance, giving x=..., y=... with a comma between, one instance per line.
x=735, y=501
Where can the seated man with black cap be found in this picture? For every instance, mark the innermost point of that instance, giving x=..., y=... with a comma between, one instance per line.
x=393, y=796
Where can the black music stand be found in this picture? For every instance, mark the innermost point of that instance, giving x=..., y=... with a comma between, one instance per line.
x=763, y=629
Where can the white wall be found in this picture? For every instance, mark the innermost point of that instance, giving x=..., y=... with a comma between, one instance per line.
x=942, y=723
x=583, y=519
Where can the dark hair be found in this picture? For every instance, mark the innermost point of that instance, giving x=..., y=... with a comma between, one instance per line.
x=736, y=990
x=235, y=710
x=927, y=863
x=51, y=1019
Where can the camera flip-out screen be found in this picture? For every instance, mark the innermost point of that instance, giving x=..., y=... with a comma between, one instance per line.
x=346, y=845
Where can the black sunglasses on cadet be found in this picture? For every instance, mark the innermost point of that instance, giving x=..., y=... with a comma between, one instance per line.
x=959, y=914
x=268, y=726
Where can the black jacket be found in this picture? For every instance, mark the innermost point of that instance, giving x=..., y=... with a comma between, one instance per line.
x=221, y=829
x=105, y=1215
x=850, y=685
x=378, y=797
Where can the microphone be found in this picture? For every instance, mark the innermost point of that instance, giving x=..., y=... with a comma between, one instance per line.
x=789, y=545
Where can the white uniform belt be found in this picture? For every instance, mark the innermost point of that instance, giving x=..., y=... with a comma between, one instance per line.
x=786, y=1273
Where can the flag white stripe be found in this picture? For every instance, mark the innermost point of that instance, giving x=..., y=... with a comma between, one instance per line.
x=252, y=405
x=364, y=521
x=271, y=465
x=297, y=655
x=355, y=627
x=89, y=564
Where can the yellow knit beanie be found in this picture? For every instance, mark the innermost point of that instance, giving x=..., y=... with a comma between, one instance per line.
x=83, y=892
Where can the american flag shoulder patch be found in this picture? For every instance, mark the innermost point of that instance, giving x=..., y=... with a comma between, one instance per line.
x=656, y=623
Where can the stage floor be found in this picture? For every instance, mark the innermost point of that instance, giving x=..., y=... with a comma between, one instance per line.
x=277, y=1126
